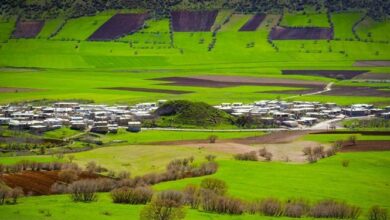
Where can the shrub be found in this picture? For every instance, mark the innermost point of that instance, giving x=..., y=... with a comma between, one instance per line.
x=4, y=192
x=67, y=176
x=352, y=139
x=334, y=209
x=318, y=152
x=123, y=175
x=15, y=193
x=212, y=139
x=268, y=156
x=330, y=151
x=306, y=151
x=139, y=195
x=166, y=205
x=59, y=188
x=83, y=190
x=91, y=167
x=377, y=213
x=252, y=156
x=212, y=202
x=296, y=208
x=262, y=152
x=104, y=184
x=217, y=186
x=345, y=163
x=210, y=157
x=271, y=207
x=191, y=195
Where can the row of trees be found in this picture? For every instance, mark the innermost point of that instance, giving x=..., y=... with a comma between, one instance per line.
x=378, y=9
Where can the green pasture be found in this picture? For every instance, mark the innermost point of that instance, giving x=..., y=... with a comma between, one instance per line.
x=235, y=22
x=83, y=27
x=6, y=28
x=369, y=29
x=343, y=24
x=364, y=182
x=327, y=138
x=60, y=207
x=305, y=20
x=50, y=27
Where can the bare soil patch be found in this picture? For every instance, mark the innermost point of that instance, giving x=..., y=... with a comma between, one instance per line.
x=374, y=76
x=118, y=26
x=379, y=63
x=253, y=23
x=15, y=90
x=37, y=182
x=336, y=74
x=372, y=145
x=301, y=33
x=193, y=21
x=27, y=29
x=232, y=81
x=166, y=91
x=357, y=91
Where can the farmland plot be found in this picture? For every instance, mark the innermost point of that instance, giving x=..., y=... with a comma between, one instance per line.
x=193, y=21
x=81, y=28
x=343, y=24
x=253, y=23
x=303, y=33
x=27, y=29
x=119, y=25
x=305, y=20
x=6, y=27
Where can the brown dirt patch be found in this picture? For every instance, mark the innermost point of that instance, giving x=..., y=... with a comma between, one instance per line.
x=372, y=145
x=336, y=74
x=27, y=29
x=15, y=90
x=357, y=91
x=378, y=63
x=36, y=182
x=374, y=76
x=166, y=91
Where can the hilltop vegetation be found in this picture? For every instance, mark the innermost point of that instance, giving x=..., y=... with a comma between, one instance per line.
x=186, y=113
x=378, y=9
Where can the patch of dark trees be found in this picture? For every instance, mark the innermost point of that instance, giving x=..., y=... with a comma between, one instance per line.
x=377, y=9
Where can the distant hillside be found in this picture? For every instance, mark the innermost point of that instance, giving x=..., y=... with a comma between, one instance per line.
x=186, y=113
x=34, y=9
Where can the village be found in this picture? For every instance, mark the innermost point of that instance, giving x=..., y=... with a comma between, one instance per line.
x=107, y=119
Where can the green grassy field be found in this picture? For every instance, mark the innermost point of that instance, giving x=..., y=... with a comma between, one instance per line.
x=343, y=23
x=364, y=183
x=305, y=20
x=6, y=28
x=50, y=27
x=369, y=29
x=82, y=28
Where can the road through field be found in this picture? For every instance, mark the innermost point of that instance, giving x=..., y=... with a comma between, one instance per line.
x=327, y=88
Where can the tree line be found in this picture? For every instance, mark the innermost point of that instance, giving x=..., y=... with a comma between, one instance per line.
x=377, y=9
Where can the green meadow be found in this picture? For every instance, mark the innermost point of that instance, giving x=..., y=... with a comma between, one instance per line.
x=61, y=64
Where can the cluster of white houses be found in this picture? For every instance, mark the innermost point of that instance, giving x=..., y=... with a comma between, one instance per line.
x=96, y=118
x=298, y=113
x=105, y=118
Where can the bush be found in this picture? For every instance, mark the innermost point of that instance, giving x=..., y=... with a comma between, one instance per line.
x=296, y=208
x=212, y=139
x=4, y=192
x=352, y=140
x=123, y=175
x=268, y=156
x=166, y=205
x=15, y=193
x=212, y=202
x=271, y=207
x=217, y=186
x=345, y=163
x=334, y=209
x=67, y=176
x=139, y=195
x=377, y=213
x=252, y=156
x=262, y=152
x=191, y=196
x=59, y=188
x=83, y=190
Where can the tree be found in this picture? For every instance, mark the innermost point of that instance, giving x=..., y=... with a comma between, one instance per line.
x=15, y=193
x=67, y=176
